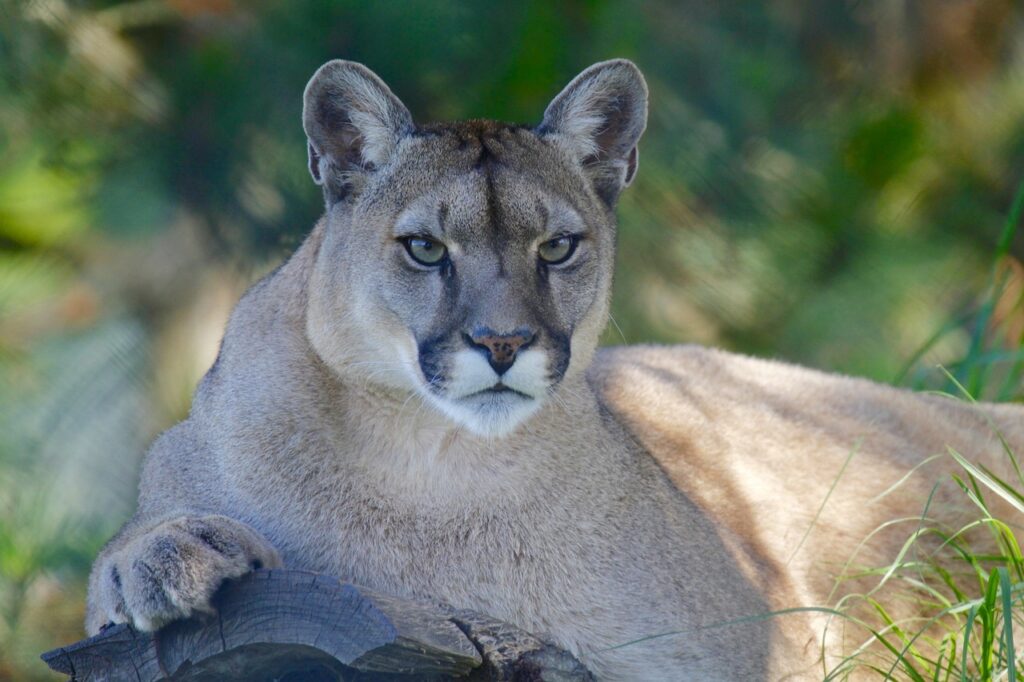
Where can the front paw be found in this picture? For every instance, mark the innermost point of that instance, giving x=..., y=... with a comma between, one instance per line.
x=172, y=571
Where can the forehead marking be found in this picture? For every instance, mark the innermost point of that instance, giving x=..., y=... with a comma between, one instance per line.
x=494, y=220
x=542, y=208
x=442, y=216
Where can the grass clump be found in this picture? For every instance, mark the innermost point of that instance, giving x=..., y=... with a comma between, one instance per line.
x=964, y=586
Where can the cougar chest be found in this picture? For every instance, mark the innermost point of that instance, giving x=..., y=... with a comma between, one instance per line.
x=472, y=555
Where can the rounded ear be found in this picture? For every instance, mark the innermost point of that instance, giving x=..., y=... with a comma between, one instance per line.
x=599, y=117
x=353, y=123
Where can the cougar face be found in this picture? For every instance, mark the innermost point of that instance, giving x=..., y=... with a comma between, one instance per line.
x=468, y=262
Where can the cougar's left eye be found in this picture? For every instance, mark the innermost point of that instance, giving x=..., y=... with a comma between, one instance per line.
x=558, y=250
x=425, y=251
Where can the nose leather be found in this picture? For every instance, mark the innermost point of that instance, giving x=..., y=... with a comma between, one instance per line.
x=501, y=348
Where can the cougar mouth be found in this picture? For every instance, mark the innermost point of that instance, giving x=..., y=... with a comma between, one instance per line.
x=493, y=411
x=500, y=388
x=489, y=404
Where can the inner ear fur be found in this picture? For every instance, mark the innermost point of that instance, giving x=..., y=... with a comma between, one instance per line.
x=599, y=117
x=353, y=124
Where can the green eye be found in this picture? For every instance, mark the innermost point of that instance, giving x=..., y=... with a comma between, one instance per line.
x=558, y=250
x=425, y=251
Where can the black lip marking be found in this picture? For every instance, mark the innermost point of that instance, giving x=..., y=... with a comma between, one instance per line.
x=500, y=388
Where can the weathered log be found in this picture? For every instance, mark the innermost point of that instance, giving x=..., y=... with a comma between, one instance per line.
x=512, y=654
x=296, y=626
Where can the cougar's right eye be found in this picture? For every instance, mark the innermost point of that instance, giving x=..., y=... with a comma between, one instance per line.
x=425, y=251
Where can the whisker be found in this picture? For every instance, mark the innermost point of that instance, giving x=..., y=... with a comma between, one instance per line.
x=372, y=376
x=423, y=401
x=554, y=393
x=432, y=382
x=412, y=394
x=362, y=363
x=559, y=401
x=617, y=328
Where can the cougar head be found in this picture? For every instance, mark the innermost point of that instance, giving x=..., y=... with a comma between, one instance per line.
x=470, y=262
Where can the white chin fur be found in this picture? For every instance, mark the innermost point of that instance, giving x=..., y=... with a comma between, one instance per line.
x=489, y=415
x=493, y=415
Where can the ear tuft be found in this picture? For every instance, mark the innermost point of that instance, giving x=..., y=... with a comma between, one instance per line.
x=353, y=122
x=599, y=117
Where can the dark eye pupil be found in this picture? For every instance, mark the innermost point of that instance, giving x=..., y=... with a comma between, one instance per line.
x=425, y=251
x=557, y=250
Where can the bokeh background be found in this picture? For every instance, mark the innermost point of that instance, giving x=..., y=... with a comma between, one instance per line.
x=830, y=182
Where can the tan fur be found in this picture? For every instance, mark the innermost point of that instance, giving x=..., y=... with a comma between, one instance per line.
x=640, y=491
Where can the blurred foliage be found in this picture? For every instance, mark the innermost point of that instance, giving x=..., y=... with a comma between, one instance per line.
x=827, y=182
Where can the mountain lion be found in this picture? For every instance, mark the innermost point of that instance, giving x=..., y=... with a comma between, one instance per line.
x=415, y=402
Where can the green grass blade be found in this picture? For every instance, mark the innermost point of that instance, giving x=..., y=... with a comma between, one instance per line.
x=977, y=473
x=904, y=478
x=1012, y=221
x=971, y=615
x=1007, y=594
x=929, y=343
x=732, y=621
x=817, y=515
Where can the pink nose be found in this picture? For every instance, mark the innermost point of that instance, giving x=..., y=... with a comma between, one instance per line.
x=501, y=348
